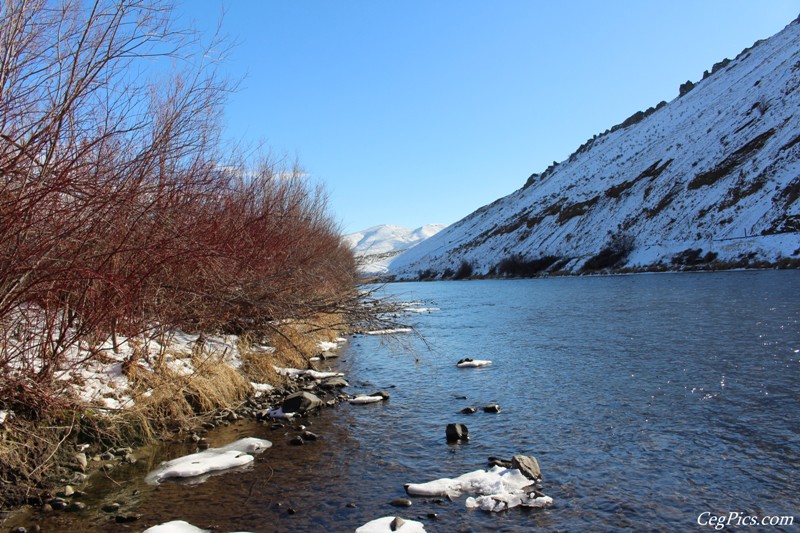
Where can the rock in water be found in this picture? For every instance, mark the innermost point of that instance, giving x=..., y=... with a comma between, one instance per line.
x=493, y=408
x=335, y=382
x=401, y=502
x=300, y=402
x=528, y=465
x=456, y=432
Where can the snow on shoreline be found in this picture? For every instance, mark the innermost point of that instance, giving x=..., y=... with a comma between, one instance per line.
x=103, y=383
x=235, y=454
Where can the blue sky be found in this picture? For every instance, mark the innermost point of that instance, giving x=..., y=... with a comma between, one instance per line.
x=421, y=111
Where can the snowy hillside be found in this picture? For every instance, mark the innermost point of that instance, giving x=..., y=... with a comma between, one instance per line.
x=377, y=245
x=710, y=179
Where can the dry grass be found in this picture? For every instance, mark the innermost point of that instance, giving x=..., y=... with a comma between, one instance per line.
x=166, y=402
x=28, y=451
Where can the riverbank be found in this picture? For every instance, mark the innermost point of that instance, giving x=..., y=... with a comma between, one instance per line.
x=536, y=269
x=102, y=489
x=149, y=389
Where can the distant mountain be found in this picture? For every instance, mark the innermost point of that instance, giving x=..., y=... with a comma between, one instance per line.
x=710, y=180
x=377, y=245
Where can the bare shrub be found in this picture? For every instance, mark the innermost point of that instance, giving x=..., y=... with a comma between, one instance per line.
x=612, y=255
x=117, y=210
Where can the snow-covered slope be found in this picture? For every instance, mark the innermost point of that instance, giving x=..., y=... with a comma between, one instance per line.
x=713, y=176
x=377, y=245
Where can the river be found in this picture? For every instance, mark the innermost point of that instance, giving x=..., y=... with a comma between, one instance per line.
x=647, y=400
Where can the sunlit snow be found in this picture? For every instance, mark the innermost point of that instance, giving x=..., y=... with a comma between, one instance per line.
x=213, y=459
x=498, y=489
x=384, y=525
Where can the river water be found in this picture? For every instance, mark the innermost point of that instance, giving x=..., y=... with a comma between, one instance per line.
x=647, y=399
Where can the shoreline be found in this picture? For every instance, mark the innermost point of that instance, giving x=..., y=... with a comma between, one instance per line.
x=145, y=390
x=788, y=264
x=66, y=495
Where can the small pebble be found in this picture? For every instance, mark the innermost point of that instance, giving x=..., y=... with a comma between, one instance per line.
x=125, y=518
x=76, y=506
x=58, y=504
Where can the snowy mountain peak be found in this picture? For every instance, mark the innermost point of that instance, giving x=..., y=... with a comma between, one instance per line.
x=388, y=238
x=375, y=246
x=711, y=179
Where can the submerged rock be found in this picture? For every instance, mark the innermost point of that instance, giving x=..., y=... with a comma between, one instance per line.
x=76, y=506
x=468, y=410
x=307, y=435
x=111, y=507
x=400, y=502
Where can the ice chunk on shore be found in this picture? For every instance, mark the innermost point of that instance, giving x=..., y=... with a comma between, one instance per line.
x=361, y=399
x=473, y=363
x=261, y=388
x=389, y=331
x=313, y=374
x=384, y=525
x=498, y=489
x=326, y=346
x=211, y=460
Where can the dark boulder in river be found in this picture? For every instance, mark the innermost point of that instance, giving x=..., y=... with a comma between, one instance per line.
x=456, y=432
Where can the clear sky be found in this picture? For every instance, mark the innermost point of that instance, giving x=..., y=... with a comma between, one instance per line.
x=420, y=111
